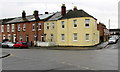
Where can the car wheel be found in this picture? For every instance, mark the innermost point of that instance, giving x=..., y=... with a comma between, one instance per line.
x=19, y=47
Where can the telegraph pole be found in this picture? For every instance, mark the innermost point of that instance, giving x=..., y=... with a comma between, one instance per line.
x=109, y=26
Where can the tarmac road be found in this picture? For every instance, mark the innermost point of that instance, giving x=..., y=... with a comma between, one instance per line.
x=43, y=59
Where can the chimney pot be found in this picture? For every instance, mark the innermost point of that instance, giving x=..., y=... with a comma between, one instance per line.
x=75, y=8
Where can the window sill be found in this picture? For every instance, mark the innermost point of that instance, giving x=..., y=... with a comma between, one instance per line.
x=74, y=27
x=75, y=40
x=87, y=27
x=33, y=30
x=39, y=29
x=87, y=40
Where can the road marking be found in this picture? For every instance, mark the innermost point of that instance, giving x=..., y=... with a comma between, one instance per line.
x=5, y=56
x=86, y=68
x=63, y=62
x=70, y=64
x=66, y=63
x=97, y=50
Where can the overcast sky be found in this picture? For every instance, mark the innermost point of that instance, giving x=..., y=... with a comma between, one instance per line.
x=103, y=10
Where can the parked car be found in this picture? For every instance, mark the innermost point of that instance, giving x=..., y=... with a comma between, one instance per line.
x=7, y=44
x=112, y=40
x=21, y=44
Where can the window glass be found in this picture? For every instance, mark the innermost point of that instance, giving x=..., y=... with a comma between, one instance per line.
x=33, y=27
x=2, y=28
x=87, y=22
x=19, y=27
x=8, y=28
x=47, y=26
x=39, y=26
x=13, y=28
x=63, y=25
x=75, y=36
x=53, y=25
x=87, y=36
x=62, y=37
x=75, y=23
x=24, y=27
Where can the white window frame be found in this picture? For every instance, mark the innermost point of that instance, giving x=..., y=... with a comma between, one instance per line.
x=2, y=28
x=14, y=37
x=87, y=37
x=52, y=37
x=35, y=37
x=39, y=26
x=53, y=25
x=75, y=23
x=87, y=22
x=20, y=37
x=26, y=38
x=63, y=24
x=9, y=37
x=41, y=38
x=75, y=37
x=18, y=27
x=63, y=37
x=47, y=26
x=33, y=27
x=13, y=27
x=24, y=27
x=3, y=36
x=8, y=28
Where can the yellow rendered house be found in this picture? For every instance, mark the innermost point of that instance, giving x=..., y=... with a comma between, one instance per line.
x=74, y=28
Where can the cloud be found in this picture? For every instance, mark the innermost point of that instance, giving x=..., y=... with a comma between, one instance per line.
x=102, y=10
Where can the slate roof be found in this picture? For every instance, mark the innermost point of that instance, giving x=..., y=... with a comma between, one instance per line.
x=4, y=21
x=56, y=16
x=30, y=18
x=112, y=30
x=20, y=19
x=76, y=13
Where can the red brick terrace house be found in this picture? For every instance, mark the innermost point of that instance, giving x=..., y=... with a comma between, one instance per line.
x=5, y=29
x=0, y=31
x=104, y=32
x=26, y=28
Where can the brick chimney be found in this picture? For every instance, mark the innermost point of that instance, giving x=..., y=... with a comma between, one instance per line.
x=23, y=14
x=63, y=9
x=35, y=13
x=75, y=8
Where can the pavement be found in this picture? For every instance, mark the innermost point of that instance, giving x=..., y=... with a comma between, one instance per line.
x=99, y=46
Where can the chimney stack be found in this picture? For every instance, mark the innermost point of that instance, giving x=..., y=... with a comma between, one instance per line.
x=46, y=12
x=23, y=14
x=35, y=13
x=75, y=8
x=63, y=10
